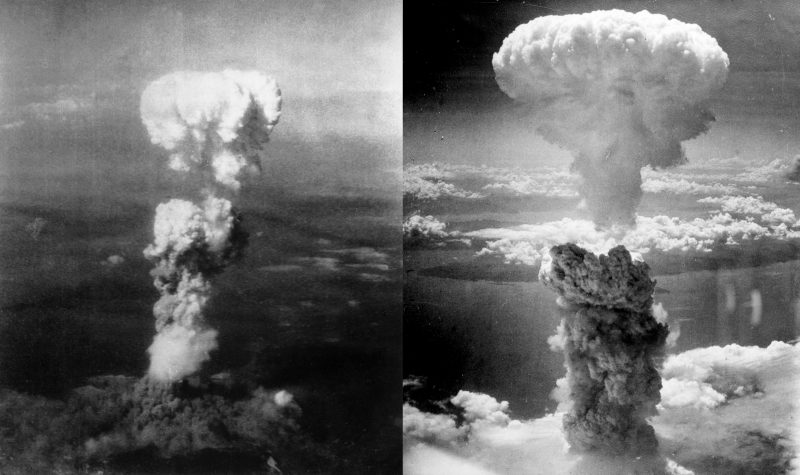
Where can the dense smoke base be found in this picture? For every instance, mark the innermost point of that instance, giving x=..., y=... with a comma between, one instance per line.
x=215, y=124
x=619, y=90
x=114, y=417
x=609, y=340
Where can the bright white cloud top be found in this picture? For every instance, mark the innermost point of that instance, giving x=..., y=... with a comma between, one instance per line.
x=217, y=119
x=619, y=90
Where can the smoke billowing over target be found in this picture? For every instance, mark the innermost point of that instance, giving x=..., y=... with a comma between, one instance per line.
x=619, y=90
x=609, y=337
x=217, y=125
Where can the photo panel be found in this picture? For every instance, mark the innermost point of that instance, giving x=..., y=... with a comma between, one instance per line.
x=600, y=239
x=200, y=209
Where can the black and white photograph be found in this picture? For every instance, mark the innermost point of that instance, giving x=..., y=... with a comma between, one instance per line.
x=479, y=237
x=600, y=237
x=200, y=208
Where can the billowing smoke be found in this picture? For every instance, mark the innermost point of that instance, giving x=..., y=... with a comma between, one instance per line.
x=619, y=90
x=114, y=417
x=214, y=124
x=609, y=337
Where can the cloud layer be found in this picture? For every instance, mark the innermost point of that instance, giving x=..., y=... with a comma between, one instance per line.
x=746, y=432
x=750, y=219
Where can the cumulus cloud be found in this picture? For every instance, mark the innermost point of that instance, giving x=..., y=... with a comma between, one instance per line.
x=729, y=408
x=720, y=372
x=423, y=189
x=440, y=429
x=766, y=211
x=528, y=244
x=738, y=428
x=431, y=171
x=481, y=437
x=682, y=186
x=620, y=90
x=793, y=173
x=427, y=231
x=436, y=443
x=739, y=175
x=548, y=183
x=418, y=229
x=427, y=181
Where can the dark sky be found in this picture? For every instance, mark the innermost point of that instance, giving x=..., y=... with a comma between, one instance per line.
x=448, y=45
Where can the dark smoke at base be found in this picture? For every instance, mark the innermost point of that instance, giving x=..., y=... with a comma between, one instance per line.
x=139, y=425
x=609, y=338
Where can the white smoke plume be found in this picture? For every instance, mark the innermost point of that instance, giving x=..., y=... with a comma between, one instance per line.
x=610, y=338
x=619, y=90
x=214, y=124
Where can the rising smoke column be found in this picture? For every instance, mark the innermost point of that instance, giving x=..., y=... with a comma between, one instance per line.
x=214, y=125
x=609, y=337
x=619, y=90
